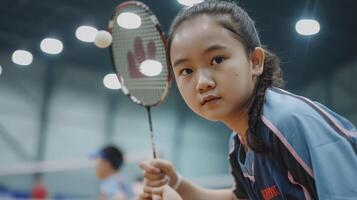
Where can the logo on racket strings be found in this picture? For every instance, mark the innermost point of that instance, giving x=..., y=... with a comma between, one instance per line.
x=139, y=55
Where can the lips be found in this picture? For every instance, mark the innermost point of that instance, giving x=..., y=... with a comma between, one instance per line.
x=208, y=99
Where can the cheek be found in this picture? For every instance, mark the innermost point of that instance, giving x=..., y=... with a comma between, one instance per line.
x=99, y=170
x=243, y=75
x=238, y=82
x=187, y=92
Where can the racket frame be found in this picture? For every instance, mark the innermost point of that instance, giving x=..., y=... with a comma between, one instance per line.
x=155, y=21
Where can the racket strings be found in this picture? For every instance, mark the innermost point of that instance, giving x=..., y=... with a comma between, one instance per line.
x=131, y=48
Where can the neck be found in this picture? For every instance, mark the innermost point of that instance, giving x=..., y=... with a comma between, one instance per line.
x=238, y=122
x=110, y=173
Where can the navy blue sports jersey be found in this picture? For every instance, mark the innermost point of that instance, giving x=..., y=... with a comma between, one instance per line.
x=312, y=153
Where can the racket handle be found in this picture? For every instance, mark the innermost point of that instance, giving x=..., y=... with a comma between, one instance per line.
x=151, y=132
x=153, y=145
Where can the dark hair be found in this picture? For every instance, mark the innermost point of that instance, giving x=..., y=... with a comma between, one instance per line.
x=113, y=155
x=237, y=21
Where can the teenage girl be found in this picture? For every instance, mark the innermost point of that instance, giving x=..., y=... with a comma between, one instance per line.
x=284, y=146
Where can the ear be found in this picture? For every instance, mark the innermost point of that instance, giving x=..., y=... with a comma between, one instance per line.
x=257, y=59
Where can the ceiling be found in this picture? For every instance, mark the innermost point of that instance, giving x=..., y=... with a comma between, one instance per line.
x=24, y=23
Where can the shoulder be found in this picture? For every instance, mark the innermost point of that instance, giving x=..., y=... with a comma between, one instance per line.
x=297, y=117
x=305, y=128
x=293, y=121
x=283, y=107
x=293, y=116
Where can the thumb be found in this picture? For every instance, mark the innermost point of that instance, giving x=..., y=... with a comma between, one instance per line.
x=167, y=168
x=156, y=197
x=170, y=194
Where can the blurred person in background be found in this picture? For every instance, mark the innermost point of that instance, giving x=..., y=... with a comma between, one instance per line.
x=39, y=190
x=109, y=161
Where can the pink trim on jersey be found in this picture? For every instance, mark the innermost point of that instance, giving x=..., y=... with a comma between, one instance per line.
x=306, y=192
x=348, y=133
x=249, y=177
x=287, y=145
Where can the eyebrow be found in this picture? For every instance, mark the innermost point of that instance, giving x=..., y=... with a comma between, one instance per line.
x=213, y=48
x=179, y=61
x=209, y=49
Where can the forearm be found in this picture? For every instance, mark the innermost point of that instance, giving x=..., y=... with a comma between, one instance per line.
x=190, y=191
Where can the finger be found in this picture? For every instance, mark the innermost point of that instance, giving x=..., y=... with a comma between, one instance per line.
x=153, y=191
x=170, y=193
x=157, y=191
x=167, y=168
x=157, y=183
x=141, y=198
x=145, y=196
x=164, y=165
x=156, y=197
x=149, y=190
x=153, y=177
x=146, y=166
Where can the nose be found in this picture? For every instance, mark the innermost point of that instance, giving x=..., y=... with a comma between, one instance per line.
x=205, y=81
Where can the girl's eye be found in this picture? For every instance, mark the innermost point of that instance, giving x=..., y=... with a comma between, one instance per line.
x=186, y=71
x=217, y=60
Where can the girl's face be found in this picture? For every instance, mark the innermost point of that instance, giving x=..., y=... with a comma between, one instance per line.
x=214, y=74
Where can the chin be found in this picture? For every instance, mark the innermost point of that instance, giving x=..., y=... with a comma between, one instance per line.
x=213, y=116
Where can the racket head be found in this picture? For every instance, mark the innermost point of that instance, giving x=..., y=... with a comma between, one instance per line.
x=139, y=56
